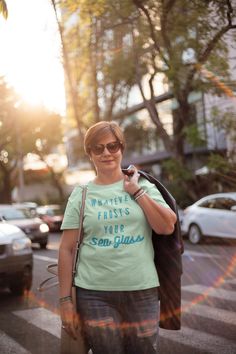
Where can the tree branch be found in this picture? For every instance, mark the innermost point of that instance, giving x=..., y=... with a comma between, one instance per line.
x=140, y=5
x=166, y=6
x=67, y=70
x=208, y=50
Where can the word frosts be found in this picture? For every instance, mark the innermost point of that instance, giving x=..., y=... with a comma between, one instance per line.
x=113, y=213
x=117, y=241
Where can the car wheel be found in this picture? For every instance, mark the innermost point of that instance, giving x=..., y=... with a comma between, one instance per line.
x=194, y=234
x=18, y=288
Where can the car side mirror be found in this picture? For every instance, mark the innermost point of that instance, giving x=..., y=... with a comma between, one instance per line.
x=233, y=208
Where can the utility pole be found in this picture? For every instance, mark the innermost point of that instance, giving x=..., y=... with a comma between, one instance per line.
x=20, y=165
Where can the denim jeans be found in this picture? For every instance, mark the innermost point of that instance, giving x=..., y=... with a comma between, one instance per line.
x=119, y=322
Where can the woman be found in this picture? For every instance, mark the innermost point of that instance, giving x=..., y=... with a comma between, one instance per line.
x=116, y=280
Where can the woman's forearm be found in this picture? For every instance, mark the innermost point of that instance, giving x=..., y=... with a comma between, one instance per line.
x=162, y=220
x=65, y=272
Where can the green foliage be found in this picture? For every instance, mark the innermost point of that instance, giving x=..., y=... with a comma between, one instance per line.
x=117, y=46
x=193, y=135
x=140, y=135
x=219, y=163
x=176, y=171
x=23, y=129
x=112, y=44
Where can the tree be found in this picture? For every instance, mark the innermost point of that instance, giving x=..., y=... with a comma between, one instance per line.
x=115, y=46
x=8, y=139
x=23, y=129
x=183, y=36
x=99, y=74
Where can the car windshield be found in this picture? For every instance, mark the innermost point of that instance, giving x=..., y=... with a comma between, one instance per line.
x=14, y=213
x=54, y=212
x=50, y=211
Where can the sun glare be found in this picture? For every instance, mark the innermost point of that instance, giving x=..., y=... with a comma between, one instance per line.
x=30, y=53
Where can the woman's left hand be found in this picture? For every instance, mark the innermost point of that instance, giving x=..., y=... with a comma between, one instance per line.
x=131, y=182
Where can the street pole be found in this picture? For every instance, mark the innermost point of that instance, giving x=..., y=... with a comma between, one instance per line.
x=21, y=182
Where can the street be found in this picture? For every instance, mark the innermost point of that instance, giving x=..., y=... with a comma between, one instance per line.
x=31, y=324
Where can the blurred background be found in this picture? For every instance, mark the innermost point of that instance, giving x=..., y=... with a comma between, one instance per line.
x=164, y=70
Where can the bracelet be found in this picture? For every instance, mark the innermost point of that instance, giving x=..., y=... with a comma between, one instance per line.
x=65, y=299
x=140, y=195
x=135, y=193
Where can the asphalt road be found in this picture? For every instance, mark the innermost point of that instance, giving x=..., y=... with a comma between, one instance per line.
x=32, y=325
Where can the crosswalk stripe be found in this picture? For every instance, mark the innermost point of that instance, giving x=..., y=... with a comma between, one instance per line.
x=216, y=292
x=208, y=312
x=208, y=343
x=44, y=258
x=43, y=319
x=200, y=254
x=52, y=247
x=230, y=281
x=9, y=345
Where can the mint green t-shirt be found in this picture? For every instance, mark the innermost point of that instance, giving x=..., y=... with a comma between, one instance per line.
x=117, y=252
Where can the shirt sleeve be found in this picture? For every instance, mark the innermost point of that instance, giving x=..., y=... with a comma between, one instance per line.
x=152, y=191
x=72, y=211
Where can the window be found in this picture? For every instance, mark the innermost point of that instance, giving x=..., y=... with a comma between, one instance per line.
x=210, y=203
x=225, y=203
x=219, y=203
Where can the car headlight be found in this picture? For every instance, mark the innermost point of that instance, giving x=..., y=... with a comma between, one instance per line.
x=44, y=228
x=20, y=244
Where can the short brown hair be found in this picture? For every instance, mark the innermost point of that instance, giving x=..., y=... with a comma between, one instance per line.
x=100, y=129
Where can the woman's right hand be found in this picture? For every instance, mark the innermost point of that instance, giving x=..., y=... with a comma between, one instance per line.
x=69, y=319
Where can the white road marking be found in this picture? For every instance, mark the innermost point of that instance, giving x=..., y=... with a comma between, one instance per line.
x=208, y=343
x=230, y=281
x=53, y=247
x=9, y=346
x=43, y=319
x=228, y=317
x=44, y=258
x=210, y=291
x=200, y=254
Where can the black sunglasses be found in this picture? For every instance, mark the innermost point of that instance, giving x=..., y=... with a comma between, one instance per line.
x=111, y=147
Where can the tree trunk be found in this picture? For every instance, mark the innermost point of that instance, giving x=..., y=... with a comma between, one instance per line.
x=162, y=134
x=5, y=193
x=68, y=72
x=55, y=178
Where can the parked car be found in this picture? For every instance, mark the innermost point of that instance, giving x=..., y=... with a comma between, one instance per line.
x=213, y=215
x=32, y=206
x=181, y=214
x=16, y=260
x=32, y=226
x=52, y=215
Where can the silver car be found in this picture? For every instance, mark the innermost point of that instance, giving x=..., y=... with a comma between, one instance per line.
x=22, y=217
x=213, y=215
x=16, y=260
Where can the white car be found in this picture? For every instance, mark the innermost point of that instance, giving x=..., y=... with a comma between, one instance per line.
x=16, y=259
x=213, y=215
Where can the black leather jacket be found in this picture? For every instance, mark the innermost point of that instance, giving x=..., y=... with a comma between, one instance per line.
x=168, y=261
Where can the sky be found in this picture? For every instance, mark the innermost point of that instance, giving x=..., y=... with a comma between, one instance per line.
x=30, y=53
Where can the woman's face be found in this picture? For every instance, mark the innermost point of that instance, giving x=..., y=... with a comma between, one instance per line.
x=107, y=161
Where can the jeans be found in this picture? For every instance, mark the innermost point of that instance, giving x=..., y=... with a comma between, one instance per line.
x=119, y=322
